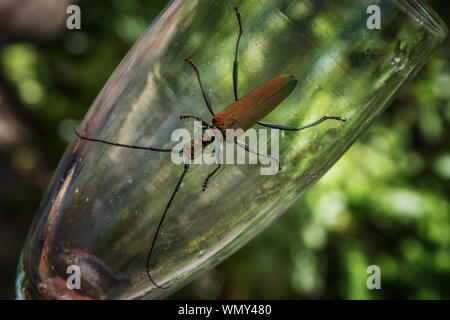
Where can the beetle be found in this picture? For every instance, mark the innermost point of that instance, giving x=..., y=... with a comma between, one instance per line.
x=243, y=114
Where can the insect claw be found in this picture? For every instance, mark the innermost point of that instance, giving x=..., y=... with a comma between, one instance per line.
x=340, y=119
x=238, y=15
x=204, y=186
x=336, y=118
x=191, y=63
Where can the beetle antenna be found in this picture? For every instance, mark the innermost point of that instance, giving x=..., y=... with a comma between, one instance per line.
x=235, y=66
x=129, y=146
x=177, y=188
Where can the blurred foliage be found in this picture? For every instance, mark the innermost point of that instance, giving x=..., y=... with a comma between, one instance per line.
x=384, y=203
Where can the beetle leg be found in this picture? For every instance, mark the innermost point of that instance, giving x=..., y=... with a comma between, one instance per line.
x=120, y=144
x=205, y=95
x=235, y=65
x=190, y=116
x=246, y=147
x=177, y=188
x=209, y=176
x=292, y=128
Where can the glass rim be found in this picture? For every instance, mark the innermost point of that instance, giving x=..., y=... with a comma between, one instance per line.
x=425, y=15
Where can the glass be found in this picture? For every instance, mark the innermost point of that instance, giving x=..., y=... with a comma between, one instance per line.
x=104, y=203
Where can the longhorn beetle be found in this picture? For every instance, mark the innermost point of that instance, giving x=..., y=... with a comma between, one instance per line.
x=243, y=114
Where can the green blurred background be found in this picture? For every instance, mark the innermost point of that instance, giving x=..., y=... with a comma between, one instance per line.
x=386, y=202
